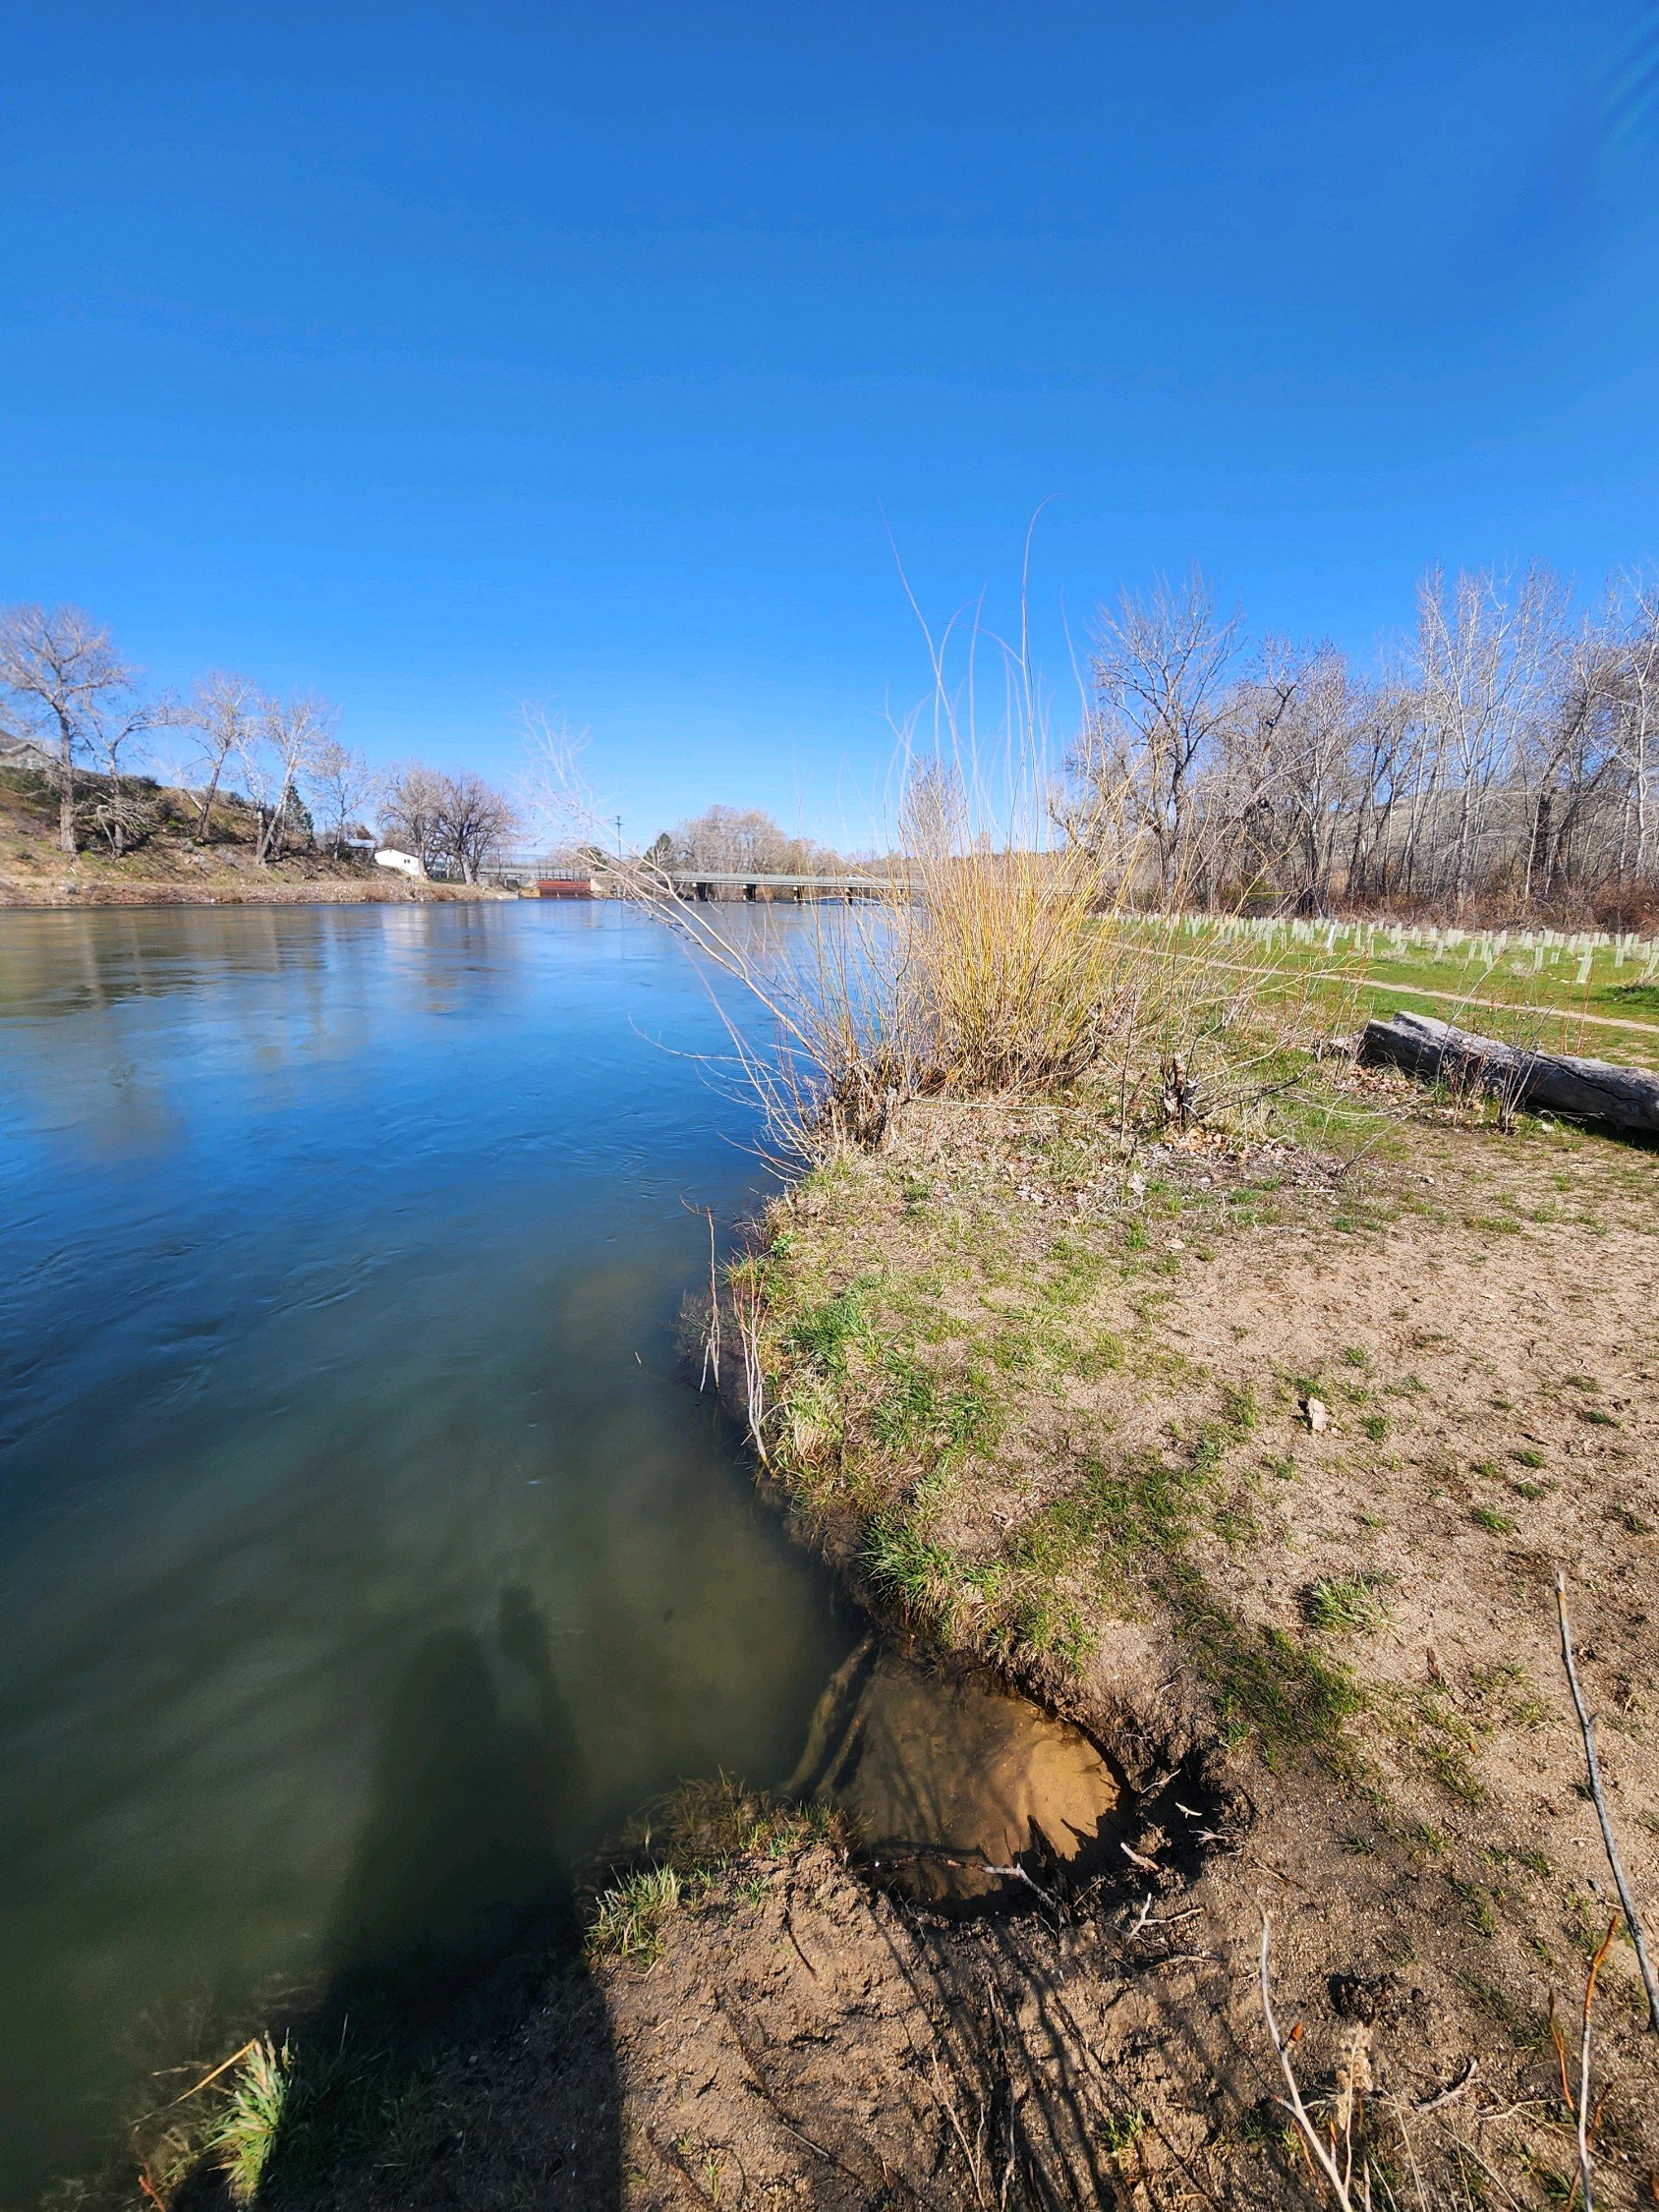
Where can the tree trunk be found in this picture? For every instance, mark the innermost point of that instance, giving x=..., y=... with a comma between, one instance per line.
x=271, y=826
x=1624, y=1098
x=66, y=794
x=207, y=798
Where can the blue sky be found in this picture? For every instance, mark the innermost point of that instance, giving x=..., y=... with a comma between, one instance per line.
x=439, y=357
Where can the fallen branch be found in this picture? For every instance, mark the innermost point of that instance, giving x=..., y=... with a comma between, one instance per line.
x=1588, y=1729
x=933, y=1854
x=1456, y=2089
x=1624, y=1098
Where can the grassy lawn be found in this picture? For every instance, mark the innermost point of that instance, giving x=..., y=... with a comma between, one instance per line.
x=1557, y=990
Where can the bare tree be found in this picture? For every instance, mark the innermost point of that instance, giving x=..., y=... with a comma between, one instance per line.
x=225, y=714
x=273, y=754
x=474, y=822
x=1509, y=756
x=1634, y=693
x=730, y=841
x=346, y=787
x=1160, y=701
x=1487, y=657
x=74, y=691
x=412, y=811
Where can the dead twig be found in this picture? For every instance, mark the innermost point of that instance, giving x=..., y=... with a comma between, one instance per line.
x=671, y=2157
x=768, y=2091
x=1588, y=1729
x=711, y=1338
x=913, y=1853
x=223, y=2067
x=1585, y=2063
x=1456, y=2089
x=1310, y=2137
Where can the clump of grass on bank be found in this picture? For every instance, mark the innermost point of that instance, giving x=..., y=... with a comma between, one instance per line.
x=1347, y=1602
x=630, y=1916
x=1005, y=957
x=247, y=2131
x=684, y=1845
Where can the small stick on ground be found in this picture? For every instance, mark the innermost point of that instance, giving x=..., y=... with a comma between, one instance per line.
x=1584, y=2064
x=1588, y=1729
x=1456, y=2089
x=1310, y=2135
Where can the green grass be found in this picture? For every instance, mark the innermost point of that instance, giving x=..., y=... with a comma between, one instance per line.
x=825, y=1333
x=1355, y=982
x=1489, y=1518
x=1349, y=1603
x=254, y=2111
x=687, y=1841
x=1440, y=1737
x=1117, y=2130
x=921, y=1347
x=631, y=1918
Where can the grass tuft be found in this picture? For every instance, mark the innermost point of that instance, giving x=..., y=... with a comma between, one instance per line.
x=630, y=1918
x=1347, y=1602
x=253, y=2115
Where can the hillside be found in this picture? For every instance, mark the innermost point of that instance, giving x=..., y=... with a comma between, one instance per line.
x=169, y=869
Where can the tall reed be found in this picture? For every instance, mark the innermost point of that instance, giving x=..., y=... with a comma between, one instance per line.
x=1000, y=949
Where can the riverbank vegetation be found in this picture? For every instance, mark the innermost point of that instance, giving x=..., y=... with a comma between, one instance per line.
x=1500, y=759
x=107, y=788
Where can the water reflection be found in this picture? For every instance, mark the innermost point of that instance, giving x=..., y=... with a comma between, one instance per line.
x=342, y=1257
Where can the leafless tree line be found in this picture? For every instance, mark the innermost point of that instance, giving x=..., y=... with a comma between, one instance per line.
x=452, y=823
x=1505, y=755
x=733, y=840
x=65, y=685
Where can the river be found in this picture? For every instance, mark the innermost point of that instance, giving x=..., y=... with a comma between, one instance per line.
x=340, y=1419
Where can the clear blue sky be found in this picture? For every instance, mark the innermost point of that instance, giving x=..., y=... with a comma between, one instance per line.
x=439, y=355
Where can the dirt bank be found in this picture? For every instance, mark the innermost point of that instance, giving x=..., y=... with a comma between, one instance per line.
x=170, y=869
x=1240, y=1450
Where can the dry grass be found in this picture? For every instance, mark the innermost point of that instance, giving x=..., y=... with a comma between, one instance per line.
x=1008, y=958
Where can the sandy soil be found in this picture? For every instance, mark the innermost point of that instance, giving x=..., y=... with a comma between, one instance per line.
x=1476, y=1322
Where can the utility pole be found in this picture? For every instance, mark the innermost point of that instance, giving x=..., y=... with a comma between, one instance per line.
x=619, y=821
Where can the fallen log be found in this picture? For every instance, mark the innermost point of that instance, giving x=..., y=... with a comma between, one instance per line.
x=1624, y=1098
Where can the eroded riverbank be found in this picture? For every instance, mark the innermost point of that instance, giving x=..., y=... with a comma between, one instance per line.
x=1316, y=1649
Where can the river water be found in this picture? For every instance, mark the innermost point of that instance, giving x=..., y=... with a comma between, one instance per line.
x=343, y=1452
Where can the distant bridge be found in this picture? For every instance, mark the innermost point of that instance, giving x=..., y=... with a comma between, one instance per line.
x=703, y=884
x=539, y=870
